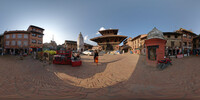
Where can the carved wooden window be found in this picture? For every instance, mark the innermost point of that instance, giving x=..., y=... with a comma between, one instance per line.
x=107, y=40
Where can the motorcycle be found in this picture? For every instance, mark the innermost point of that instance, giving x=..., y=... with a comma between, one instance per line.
x=162, y=64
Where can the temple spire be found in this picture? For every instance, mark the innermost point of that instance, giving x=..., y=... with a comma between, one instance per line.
x=80, y=43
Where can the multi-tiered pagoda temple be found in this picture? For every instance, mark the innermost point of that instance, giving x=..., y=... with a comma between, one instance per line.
x=109, y=40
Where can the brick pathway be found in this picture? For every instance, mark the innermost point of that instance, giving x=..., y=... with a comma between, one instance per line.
x=117, y=77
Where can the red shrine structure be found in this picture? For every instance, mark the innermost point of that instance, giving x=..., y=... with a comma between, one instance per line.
x=155, y=47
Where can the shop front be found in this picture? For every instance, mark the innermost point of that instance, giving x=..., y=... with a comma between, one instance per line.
x=35, y=49
x=1, y=51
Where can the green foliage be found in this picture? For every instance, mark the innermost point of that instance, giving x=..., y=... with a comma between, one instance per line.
x=51, y=52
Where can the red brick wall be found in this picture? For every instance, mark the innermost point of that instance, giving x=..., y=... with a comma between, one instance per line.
x=10, y=39
x=160, y=52
x=37, y=39
x=39, y=32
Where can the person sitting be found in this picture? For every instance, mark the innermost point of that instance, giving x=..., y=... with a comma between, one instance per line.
x=45, y=57
x=76, y=56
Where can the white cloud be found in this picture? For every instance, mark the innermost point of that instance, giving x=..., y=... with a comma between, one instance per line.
x=119, y=33
x=102, y=28
x=97, y=33
x=87, y=40
x=86, y=37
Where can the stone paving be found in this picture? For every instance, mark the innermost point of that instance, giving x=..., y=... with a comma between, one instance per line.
x=117, y=77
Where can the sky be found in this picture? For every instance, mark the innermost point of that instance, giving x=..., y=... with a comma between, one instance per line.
x=65, y=19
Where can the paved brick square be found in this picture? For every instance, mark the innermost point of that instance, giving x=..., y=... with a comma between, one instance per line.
x=117, y=77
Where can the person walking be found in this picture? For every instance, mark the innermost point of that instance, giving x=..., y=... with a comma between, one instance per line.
x=188, y=52
x=34, y=55
x=45, y=57
x=197, y=52
x=96, y=54
x=21, y=55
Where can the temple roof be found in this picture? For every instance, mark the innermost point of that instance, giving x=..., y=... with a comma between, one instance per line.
x=106, y=36
x=108, y=32
x=16, y=31
x=171, y=33
x=155, y=33
x=187, y=31
x=139, y=36
x=198, y=36
x=36, y=27
x=70, y=41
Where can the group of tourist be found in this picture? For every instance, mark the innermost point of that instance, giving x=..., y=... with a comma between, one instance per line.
x=185, y=52
x=196, y=52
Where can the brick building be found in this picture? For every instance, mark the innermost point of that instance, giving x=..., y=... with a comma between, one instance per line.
x=196, y=42
x=174, y=42
x=138, y=44
x=142, y=43
x=36, y=38
x=187, y=38
x=72, y=45
x=127, y=45
x=26, y=41
x=15, y=41
x=128, y=42
x=1, y=44
x=99, y=48
x=50, y=46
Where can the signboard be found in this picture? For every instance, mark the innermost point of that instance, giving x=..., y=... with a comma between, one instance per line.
x=180, y=56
